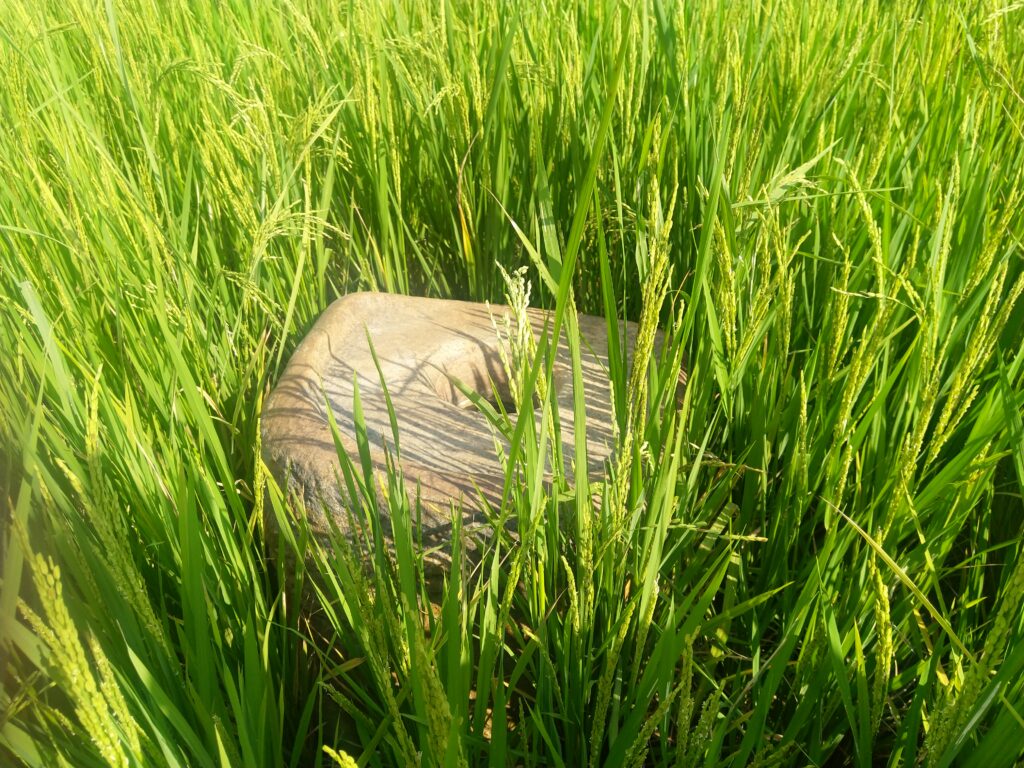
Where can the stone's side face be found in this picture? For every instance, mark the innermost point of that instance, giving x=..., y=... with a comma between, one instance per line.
x=447, y=446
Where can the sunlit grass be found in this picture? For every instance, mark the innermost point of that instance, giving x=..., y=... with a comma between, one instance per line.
x=813, y=558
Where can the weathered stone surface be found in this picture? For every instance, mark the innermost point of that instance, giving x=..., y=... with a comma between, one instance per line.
x=447, y=446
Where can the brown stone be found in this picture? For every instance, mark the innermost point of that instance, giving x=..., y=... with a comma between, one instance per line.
x=448, y=447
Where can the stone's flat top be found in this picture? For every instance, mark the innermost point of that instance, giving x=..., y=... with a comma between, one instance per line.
x=447, y=446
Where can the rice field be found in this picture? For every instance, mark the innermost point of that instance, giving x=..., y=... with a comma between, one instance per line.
x=815, y=558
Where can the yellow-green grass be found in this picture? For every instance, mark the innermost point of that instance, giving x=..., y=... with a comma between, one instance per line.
x=815, y=559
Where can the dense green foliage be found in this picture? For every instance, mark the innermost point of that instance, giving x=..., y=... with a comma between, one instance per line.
x=816, y=558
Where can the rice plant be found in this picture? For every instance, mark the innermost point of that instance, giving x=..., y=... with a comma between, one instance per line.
x=811, y=554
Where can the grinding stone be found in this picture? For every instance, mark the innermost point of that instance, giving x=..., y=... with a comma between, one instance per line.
x=447, y=446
